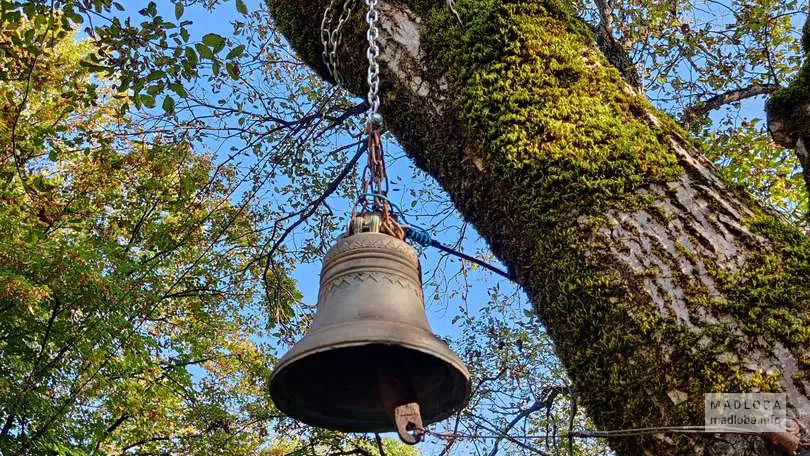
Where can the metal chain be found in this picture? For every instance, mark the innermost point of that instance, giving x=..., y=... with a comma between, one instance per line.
x=373, y=53
x=330, y=39
x=375, y=180
x=325, y=35
x=330, y=42
x=374, y=187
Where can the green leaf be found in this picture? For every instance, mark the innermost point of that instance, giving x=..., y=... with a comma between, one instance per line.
x=214, y=41
x=233, y=70
x=155, y=75
x=204, y=51
x=168, y=105
x=236, y=52
x=147, y=100
x=178, y=9
x=178, y=89
x=74, y=17
x=191, y=57
x=241, y=7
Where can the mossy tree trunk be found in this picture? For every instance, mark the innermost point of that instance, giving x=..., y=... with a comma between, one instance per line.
x=656, y=280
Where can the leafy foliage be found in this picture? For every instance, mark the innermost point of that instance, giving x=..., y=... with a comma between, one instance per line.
x=129, y=318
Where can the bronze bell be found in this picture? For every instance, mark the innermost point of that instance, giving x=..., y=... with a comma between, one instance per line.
x=370, y=359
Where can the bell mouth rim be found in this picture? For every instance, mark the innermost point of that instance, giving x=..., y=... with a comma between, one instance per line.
x=453, y=359
x=448, y=357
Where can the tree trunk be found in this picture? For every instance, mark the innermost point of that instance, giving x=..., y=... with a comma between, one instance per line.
x=657, y=281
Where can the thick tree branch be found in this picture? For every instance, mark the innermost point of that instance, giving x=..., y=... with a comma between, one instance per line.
x=703, y=108
x=788, y=112
x=605, y=9
x=615, y=53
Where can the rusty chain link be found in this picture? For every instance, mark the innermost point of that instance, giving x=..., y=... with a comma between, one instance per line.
x=374, y=186
x=374, y=183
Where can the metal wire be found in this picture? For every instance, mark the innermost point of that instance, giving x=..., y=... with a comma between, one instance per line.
x=590, y=434
x=471, y=259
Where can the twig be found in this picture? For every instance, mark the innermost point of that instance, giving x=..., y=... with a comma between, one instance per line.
x=538, y=404
x=379, y=444
x=313, y=206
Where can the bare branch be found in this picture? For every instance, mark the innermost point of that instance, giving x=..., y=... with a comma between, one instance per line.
x=311, y=208
x=546, y=400
x=605, y=14
x=379, y=444
x=702, y=108
x=538, y=404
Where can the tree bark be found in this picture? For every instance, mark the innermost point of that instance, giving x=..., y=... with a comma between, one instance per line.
x=657, y=281
x=788, y=112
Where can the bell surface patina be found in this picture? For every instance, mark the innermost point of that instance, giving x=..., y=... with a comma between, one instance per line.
x=369, y=336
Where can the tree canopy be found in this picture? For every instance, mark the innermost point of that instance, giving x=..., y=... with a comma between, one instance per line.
x=161, y=180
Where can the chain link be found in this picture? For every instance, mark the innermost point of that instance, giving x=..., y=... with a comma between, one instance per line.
x=374, y=180
x=377, y=181
x=330, y=39
x=325, y=34
x=373, y=53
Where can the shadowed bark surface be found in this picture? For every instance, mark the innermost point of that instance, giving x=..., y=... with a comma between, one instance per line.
x=657, y=281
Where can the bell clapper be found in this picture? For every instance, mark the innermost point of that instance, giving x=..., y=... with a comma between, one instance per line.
x=398, y=398
x=408, y=419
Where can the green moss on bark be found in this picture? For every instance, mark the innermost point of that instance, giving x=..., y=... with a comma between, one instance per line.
x=771, y=291
x=556, y=122
x=289, y=17
x=789, y=104
x=540, y=140
x=552, y=115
